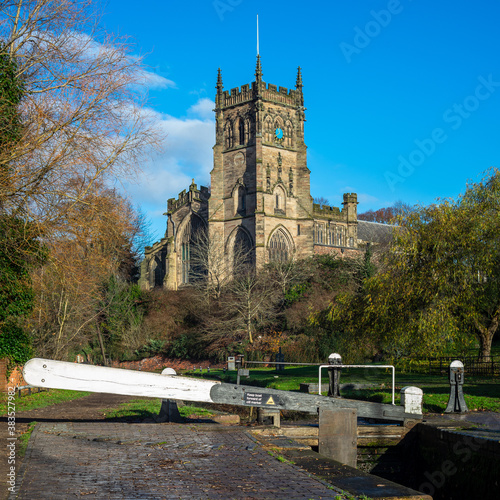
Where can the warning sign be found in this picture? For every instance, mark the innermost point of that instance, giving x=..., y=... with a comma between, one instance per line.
x=260, y=399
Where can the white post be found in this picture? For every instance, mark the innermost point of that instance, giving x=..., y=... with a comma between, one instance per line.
x=411, y=399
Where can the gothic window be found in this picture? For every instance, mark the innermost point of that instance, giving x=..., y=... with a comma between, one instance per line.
x=242, y=250
x=247, y=131
x=241, y=132
x=351, y=241
x=288, y=134
x=280, y=203
x=269, y=129
x=228, y=134
x=189, y=271
x=339, y=237
x=320, y=234
x=279, y=247
x=186, y=261
x=239, y=198
x=298, y=229
x=156, y=273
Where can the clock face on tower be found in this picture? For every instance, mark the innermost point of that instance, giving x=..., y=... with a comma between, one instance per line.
x=279, y=135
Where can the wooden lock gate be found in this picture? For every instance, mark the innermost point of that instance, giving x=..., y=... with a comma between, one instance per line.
x=337, y=415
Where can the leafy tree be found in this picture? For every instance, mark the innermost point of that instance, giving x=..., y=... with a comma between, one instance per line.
x=20, y=252
x=442, y=280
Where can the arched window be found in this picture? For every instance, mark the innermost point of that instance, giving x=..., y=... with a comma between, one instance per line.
x=268, y=128
x=279, y=247
x=288, y=134
x=228, y=134
x=279, y=201
x=190, y=271
x=247, y=131
x=239, y=198
x=241, y=132
x=155, y=272
x=243, y=251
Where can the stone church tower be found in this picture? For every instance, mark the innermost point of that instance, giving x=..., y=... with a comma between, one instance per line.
x=260, y=198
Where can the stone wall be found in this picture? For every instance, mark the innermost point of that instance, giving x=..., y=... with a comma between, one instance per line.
x=454, y=465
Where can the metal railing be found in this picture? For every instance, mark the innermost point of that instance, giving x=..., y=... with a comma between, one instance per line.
x=333, y=366
x=280, y=363
x=439, y=365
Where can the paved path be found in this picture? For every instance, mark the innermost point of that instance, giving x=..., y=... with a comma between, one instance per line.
x=162, y=461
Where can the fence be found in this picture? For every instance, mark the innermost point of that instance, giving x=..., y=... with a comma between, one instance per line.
x=473, y=365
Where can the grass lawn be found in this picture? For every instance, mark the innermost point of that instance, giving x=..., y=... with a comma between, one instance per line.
x=40, y=399
x=480, y=393
x=140, y=409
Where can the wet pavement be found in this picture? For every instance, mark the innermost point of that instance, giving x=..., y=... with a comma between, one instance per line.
x=67, y=460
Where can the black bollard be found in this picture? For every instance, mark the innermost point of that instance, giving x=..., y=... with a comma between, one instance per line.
x=334, y=375
x=456, y=403
x=280, y=358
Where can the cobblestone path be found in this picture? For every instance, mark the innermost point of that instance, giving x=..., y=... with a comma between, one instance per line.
x=104, y=460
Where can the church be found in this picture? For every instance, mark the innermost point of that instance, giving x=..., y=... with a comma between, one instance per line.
x=259, y=199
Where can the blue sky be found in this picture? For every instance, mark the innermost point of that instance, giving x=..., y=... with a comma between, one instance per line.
x=402, y=96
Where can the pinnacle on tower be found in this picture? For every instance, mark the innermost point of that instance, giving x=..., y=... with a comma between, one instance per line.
x=258, y=70
x=219, y=85
x=299, y=85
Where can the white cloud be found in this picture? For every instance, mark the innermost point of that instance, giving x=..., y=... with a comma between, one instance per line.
x=88, y=49
x=203, y=108
x=187, y=154
x=367, y=198
x=154, y=81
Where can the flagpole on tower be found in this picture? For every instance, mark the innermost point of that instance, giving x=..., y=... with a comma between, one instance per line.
x=257, y=34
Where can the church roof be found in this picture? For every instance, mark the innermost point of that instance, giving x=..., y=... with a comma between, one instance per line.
x=375, y=232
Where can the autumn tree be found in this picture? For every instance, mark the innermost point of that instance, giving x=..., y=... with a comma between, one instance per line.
x=386, y=215
x=72, y=288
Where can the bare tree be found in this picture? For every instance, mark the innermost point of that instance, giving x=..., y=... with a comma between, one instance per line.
x=80, y=110
x=254, y=302
x=212, y=268
x=320, y=200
